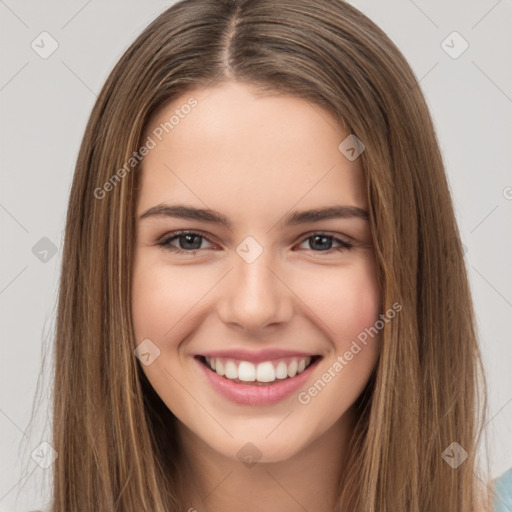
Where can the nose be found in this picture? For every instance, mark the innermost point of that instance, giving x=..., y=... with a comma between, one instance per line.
x=254, y=296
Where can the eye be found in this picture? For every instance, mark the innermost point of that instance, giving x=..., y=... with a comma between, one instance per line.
x=322, y=242
x=189, y=242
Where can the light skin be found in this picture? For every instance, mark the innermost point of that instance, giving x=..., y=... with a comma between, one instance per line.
x=255, y=160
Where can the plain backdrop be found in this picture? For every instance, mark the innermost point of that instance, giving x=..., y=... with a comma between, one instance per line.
x=45, y=103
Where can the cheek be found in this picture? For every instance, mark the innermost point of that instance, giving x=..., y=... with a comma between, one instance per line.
x=359, y=310
x=147, y=303
x=351, y=306
x=345, y=301
x=164, y=294
x=160, y=298
x=358, y=307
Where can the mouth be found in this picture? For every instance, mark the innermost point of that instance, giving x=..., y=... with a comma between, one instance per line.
x=265, y=373
x=260, y=383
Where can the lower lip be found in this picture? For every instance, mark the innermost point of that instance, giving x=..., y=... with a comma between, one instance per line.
x=248, y=394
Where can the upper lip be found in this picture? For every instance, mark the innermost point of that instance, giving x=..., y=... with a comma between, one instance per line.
x=256, y=356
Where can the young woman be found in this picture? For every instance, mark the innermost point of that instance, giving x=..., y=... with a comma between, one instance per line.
x=263, y=301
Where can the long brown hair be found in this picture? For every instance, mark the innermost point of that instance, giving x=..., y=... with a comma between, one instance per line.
x=115, y=438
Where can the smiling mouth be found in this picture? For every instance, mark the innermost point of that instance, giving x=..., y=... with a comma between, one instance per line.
x=264, y=373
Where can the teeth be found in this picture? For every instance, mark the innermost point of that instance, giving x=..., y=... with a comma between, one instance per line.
x=231, y=370
x=246, y=371
x=292, y=368
x=281, y=370
x=267, y=371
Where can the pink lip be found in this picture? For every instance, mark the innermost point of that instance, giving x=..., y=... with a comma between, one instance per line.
x=255, y=357
x=247, y=394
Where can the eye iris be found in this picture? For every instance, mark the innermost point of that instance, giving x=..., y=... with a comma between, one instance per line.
x=188, y=239
x=323, y=238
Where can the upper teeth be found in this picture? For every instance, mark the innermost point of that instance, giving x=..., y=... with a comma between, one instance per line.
x=266, y=371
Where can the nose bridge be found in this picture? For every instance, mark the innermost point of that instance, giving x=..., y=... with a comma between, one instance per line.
x=254, y=296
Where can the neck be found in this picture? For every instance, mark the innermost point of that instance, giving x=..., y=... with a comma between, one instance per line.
x=309, y=480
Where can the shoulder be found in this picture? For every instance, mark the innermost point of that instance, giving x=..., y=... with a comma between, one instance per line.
x=503, y=492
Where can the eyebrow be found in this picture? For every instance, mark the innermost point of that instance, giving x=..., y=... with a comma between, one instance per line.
x=297, y=217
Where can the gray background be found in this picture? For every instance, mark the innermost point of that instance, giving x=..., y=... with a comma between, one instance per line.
x=45, y=104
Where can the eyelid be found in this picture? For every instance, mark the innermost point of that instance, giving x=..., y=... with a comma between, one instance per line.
x=335, y=236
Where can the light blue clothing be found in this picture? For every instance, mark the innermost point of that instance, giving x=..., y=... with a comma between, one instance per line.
x=503, y=489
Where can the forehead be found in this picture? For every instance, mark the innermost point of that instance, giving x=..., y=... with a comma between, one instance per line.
x=235, y=148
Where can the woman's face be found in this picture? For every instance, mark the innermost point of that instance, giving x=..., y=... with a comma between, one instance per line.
x=264, y=291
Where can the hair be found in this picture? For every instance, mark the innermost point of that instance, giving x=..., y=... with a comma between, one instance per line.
x=117, y=441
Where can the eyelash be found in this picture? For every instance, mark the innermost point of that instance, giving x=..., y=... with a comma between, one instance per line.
x=166, y=242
